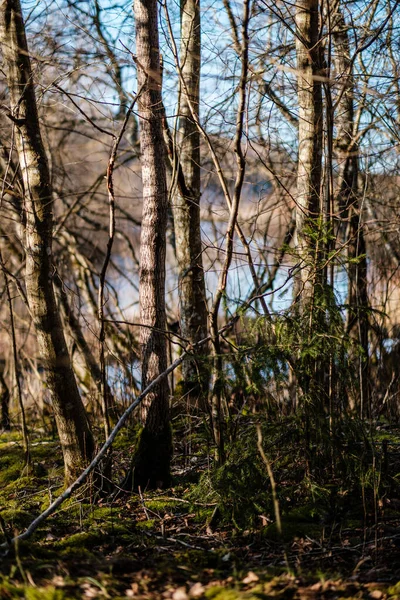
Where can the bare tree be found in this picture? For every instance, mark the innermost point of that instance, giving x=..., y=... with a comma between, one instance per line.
x=348, y=196
x=72, y=423
x=153, y=456
x=309, y=92
x=186, y=207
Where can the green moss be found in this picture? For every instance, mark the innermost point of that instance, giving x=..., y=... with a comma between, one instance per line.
x=10, y=472
x=12, y=461
x=123, y=441
x=394, y=590
x=80, y=540
x=203, y=513
x=9, y=436
x=49, y=593
x=220, y=593
x=162, y=506
x=309, y=513
x=9, y=591
x=76, y=553
x=17, y=517
x=101, y=513
x=179, y=390
x=45, y=450
x=149, y=524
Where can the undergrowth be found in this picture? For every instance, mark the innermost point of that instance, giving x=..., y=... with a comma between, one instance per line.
x=332, y=488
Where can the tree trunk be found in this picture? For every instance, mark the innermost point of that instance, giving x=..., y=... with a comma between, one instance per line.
x=348, y=200
x=309, y=207
x=73, y=427
x=153, y=456
x=5, y=424
x=309, y=282
x=186, y=209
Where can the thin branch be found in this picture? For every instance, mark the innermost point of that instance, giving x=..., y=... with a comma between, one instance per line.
x=111, y=201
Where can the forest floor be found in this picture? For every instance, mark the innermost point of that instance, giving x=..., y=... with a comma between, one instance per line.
x=168, y=545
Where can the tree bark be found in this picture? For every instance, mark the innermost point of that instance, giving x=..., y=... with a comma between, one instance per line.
x=347, y=199
x=309, y=281
x=309, y=208
x=153, y=456
x=186, y=208
x=5, y=424
x=72, y=424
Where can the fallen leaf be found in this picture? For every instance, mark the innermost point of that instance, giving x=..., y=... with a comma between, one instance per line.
x=180, y=594
x=376, y=594
x=90, y=591
x=251, y=577
x=196, y=590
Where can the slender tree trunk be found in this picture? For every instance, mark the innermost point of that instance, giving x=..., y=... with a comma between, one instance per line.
x=348, y=198
x=73, y=427
x=309, y=206
x=5, y=424
x=309, y=283
x=186, y=209
x=153, y=456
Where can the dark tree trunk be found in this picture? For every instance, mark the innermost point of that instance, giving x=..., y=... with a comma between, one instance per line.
x=186, y=209
x=348, y=199
x=153, y=456
x=5, y=424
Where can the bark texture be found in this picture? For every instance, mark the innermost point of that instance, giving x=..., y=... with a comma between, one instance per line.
x=309, y=208
x=186, y=208
x=72, y=424
x=310, y=281
x=153, y=456
x=347, y=198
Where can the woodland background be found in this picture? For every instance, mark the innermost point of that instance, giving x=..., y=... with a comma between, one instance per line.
x=203, y=196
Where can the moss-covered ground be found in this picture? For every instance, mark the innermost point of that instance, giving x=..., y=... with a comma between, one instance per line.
x=198, y=539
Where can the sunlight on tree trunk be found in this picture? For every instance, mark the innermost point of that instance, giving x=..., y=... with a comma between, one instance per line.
x=72, y=424
x=152, y=460
x=308, y=198
x=186, y=209
x=349, y=202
